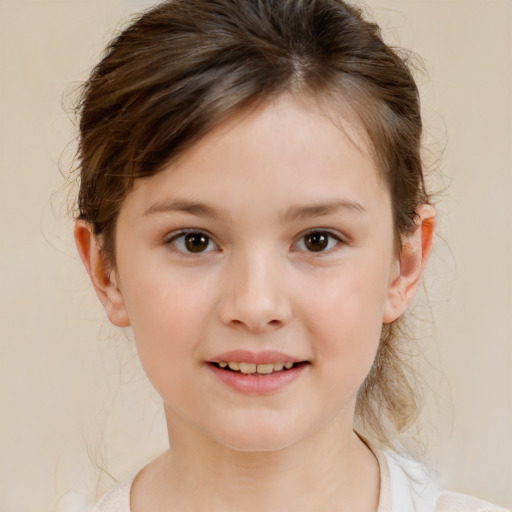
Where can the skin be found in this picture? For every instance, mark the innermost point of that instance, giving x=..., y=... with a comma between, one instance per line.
x=259, y=286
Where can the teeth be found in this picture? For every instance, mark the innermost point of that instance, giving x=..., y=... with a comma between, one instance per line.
x=248, y=368
x=265, y=368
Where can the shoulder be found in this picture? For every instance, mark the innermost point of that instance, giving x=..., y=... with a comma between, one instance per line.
x=117, y=499
x=454, y=502
x=414, y=488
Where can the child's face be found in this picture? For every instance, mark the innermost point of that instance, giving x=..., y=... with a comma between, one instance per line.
x=270, y=239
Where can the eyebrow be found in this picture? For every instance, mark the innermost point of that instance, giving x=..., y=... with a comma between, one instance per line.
x=327, y=208
x=293, y=213
x=192, y=207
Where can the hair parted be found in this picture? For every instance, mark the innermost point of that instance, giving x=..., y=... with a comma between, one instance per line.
x=185, y=66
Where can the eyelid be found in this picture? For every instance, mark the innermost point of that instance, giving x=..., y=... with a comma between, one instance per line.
x=340, y=239
x=174, y=235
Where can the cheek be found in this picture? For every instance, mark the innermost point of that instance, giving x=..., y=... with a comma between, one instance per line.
x=345, y=317
x=168, y=317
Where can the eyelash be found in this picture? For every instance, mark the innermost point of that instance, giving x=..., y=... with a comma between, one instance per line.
x=172, y=239
x=333, y=236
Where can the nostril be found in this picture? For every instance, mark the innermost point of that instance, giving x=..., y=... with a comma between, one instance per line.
x=255, y=304
x=256, y=326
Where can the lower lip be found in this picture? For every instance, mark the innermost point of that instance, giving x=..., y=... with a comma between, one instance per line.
x=254, y=384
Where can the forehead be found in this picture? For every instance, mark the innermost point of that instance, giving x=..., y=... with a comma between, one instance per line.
x=290, y=149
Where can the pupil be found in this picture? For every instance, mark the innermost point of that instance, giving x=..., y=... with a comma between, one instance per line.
x=316, y=242
x=196, y=242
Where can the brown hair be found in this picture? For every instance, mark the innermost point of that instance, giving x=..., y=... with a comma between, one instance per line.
x=184, y=66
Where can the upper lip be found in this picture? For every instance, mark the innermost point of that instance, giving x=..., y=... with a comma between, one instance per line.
x=246, y=356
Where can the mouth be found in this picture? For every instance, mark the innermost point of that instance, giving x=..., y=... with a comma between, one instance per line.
x=246, y=368
x=257, y=373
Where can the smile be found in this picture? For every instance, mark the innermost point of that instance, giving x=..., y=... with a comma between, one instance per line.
x=257, y=373
x=251, y=368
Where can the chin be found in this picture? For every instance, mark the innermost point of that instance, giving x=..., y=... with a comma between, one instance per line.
x=258, y=436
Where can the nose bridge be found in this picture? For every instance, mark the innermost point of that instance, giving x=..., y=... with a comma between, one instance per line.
x=255, y=295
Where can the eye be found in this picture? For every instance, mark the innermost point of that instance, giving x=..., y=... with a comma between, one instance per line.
x=318, y=241
x=194, y=242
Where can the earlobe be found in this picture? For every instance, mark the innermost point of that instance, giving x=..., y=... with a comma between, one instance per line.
x=102, y=276
x=416, y=249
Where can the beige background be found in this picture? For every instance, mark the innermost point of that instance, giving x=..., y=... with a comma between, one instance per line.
x=72, y=396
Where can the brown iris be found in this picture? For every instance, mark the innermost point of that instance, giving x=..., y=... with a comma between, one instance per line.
x=196, y=242
x=316, y=242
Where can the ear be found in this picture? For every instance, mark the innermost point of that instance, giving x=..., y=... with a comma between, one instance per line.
x=102, y=275
x=416, y=249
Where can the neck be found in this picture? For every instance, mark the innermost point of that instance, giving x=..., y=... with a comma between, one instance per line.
x=330, y=470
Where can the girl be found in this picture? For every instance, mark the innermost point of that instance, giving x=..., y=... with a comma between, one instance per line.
x=252, y=205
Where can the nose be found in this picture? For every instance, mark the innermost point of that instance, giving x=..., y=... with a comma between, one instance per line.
x=255, y=295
